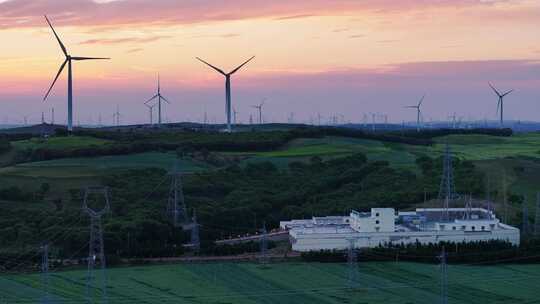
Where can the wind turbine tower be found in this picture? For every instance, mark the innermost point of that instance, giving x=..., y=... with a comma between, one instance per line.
x=67, y=61
x=259, y=108
x=150, y=113
x=159, y=98
x=227, y=87
x=418, y=112
x=116, y=116
x=235, y=114
x=500, y=103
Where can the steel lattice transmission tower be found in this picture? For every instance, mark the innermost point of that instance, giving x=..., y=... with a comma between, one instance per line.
x=45, y=273
x=96, y=287
x=352, y=265
x=176, y=208
x=447, y=190
x=264, y=245
x=444, y=277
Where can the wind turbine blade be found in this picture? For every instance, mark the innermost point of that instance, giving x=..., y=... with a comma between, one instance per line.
x=57, y=38
x=240, y=66
x=507, y=93
x=494, y=90
x=89, y=58
x=55, y=78
x=165, y=99
x=498, y=106
x=411, y=107
x=421, y=100
x=154, y=97
x=213, y=67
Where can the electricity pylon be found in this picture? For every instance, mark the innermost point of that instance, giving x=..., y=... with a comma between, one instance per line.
x=447, y=191
x=176, y=208
x=96, y=287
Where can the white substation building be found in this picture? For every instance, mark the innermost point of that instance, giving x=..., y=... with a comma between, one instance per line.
x=383, y=227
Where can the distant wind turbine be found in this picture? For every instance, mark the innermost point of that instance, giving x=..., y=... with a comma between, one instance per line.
x=259, y=108
x=418, y=112
x=159, y=98
x=500, y=103
x=227, y=87
x=235, y=113
x=116, y=116
x=151, y=112
x=68, y=60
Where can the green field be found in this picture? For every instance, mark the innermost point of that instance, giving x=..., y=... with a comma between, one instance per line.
x=388, y=283
x=94, y=166
x=471, y=147
x=59, y=143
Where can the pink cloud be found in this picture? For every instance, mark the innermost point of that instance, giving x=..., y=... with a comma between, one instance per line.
x=28, y=13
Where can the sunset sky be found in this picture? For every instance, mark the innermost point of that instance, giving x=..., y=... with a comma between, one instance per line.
x=349, y=57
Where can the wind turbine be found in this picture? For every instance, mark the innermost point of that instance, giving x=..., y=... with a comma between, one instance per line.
x=500, y=103
x=259, y=108
x=227, y=87
x=68, y=60
x=418, y=112
x=116, y=116
x=151, y=112
x=159, y=97
x=235, y=114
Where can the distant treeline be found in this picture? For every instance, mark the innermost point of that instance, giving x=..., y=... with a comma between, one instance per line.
x=138, y=142
x=481, y=253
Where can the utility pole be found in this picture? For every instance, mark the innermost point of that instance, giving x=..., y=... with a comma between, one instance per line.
x=263, y=259
x=352, y=265
x=505, y=203
x=45, y=273
x=525, y=219
x=537, y=216
x=176, y=208
x=444, y=277
x=96, y=287
x=195, y=240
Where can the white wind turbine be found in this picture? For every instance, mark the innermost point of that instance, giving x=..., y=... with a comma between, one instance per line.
x=68, y=60
x=500, y=103
x=227, y=87
x=159, y=98
x=418, y=112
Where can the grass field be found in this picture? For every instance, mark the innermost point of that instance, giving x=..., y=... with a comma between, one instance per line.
x=471, y=147
x=93, y=166
x=389, y=283
x=60, y=142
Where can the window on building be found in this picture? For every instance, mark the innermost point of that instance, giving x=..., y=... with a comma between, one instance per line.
x=483, y=228
x=463, y=227
x=473, y=228
x=453, y=227
x=442, y=227
x=377, y=229
x=377, y=222
x=377, y=214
